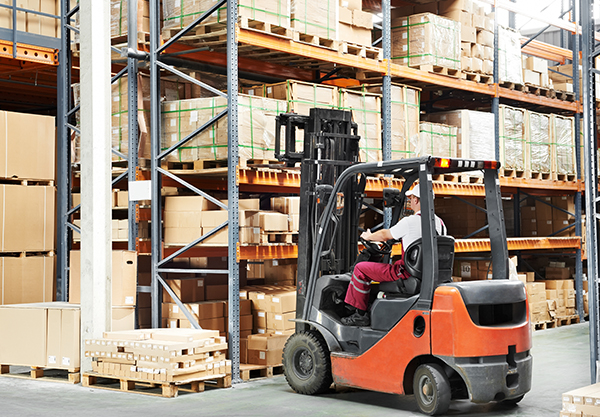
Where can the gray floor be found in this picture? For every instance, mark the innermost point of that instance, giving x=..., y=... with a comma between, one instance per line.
x=561, y=363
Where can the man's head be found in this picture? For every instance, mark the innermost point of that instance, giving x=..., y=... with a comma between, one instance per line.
x=414, y=198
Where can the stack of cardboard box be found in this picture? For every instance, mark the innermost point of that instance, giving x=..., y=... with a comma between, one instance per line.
x=119, y=12
x=366, y=112
x=512, y=138
x=426, y=39
x=32, y=22
x=547, y=217
x=538, y=307
x=280, y=272
x=355, y=26
x=475, y=132
x=562, y=291
x=178, y=14
x=208, y=314
x=581, y=402
x=405, y=107
x=538, y=143
x=460, y=218
x=535, y=71
x=165, y=355
x=437, y=139
x=510, y=63
x=315, y=17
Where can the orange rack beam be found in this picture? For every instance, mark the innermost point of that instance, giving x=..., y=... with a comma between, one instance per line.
x=29, y=53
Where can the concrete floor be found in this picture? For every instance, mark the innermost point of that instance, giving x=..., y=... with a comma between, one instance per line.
x=561, y=363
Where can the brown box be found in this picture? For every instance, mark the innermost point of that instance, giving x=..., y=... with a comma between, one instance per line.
x=287, y=205
x=282, y=302
x=124, y=278
x=259, y=319
x=281, y=321
x=27, y=280
x=26, y=326
x=188, y=290
x=27, y=146
x=217, y=292
x=265, y=357
x=29, y=218
x=277, y=270
x=272, y=221
x=558, y=273
x=266, y=341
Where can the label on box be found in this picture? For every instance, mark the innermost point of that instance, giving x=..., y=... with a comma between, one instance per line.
x=262, y=355
x=129, y=300
x=261, y=313
x=52, y=359
x=175, y=309
x=275, y=299
x=261, y=331
x=269, y=90
x=173, y=324
x=173, y=122
x=404, y=35
x=66, y=361
x=260, y=296
x=196, y=309
x=193, y=116
x=275, y=262
x=465, y=270
x=200, y=283
x=278, y=317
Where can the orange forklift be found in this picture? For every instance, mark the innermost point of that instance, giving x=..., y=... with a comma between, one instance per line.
x=431, y=337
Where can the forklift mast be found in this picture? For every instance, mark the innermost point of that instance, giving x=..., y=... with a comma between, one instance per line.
x=330, y=147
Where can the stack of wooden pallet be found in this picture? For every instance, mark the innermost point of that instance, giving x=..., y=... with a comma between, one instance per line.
x=165, y=355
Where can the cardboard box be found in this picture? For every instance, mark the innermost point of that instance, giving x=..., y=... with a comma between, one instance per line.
x=273, y=222
x=281, y=321
x=265, y=357
x=188, y=290
x=124, y=278
x=282, y=302
x=27, y=279
x=558, y=273
x=267, y=341
x=26, y=326
x=287, y=205
x=531, y=77
x=27, y=145
x=217, y=292
x=277, y=270
x=29, y=218
x=259, y=319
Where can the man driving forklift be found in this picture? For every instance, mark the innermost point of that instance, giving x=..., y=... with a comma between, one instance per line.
x=408, y=229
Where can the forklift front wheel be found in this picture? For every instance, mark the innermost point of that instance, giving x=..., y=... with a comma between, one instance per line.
x=306, y=363
x=432, y=389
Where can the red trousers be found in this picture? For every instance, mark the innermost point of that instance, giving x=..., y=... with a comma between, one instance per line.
x=365, y=272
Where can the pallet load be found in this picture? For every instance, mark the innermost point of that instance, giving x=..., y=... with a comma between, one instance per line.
x=437, y=140
x=355, y=26
x=405, y=110
x=31, y=22
x=535, y=71
x=538, y=144
x=366, y=112
x=178, y=14
x=512, y=138
x=538, y=307
x=509, y=56
x=208, y=314
x=462, y=219
x=563, y=144
x=475, y=132
x=119, y=10
x=170, y=356
x=562, y=79
x=300, y=97
x=562, y=291
x=256, y=128
x=583, y=401
x=315, y=20
x=428, y=42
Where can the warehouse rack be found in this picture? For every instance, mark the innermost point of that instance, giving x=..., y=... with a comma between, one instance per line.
x=238, y=180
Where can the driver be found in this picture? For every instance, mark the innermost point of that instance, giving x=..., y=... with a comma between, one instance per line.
x=409, y=230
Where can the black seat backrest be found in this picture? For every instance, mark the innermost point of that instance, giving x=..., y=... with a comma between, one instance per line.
x=413, y=258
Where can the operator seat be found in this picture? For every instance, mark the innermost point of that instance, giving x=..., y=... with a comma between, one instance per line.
x=413, y=263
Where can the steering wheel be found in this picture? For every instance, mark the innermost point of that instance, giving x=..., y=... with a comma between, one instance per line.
x=375, y=248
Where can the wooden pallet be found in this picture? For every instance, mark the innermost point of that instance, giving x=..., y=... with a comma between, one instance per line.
x=26, y=254
x=566, y=320
x=563, y=177
x=25, y=181
x=446, y=177
x=286, y=238
x=249, y=371
x=362, y=51
x=564, y=95
x=477, y=77
x=539, y=175
x=512, y=86
x=543, y=325
x=141, y=36
x=265, y=27
x=512, y=173
x=146, y=387
x=142, y=163
x=70, y=376
x=435, y=69
x=315, y=40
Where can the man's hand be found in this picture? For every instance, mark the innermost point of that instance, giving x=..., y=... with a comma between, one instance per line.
x=366, y=235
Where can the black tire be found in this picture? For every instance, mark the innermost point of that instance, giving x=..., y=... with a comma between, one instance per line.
x=306, y=363
x=432, y=389
x=513, y=401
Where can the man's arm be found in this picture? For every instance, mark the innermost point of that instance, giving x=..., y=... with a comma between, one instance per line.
x=382, y=235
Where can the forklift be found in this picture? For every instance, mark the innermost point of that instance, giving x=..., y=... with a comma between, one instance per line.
x=429, y=336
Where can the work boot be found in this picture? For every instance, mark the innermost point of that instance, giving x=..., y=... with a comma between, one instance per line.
x=357, y=319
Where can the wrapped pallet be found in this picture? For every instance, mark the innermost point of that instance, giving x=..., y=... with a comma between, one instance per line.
x=315, y=17
x=475, y=134
x=538, y=142
x=366, y=112
x=512, y=138
x=426, y=39
x=119, y=17
x=256, y=127
x=510, y=65
x=437, y=140
x=300, y=98
x=563, y=143
x=405, y=109
x=178, y=14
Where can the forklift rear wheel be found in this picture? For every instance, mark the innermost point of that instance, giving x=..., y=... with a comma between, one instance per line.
x=306, y=363
x=432, y=389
